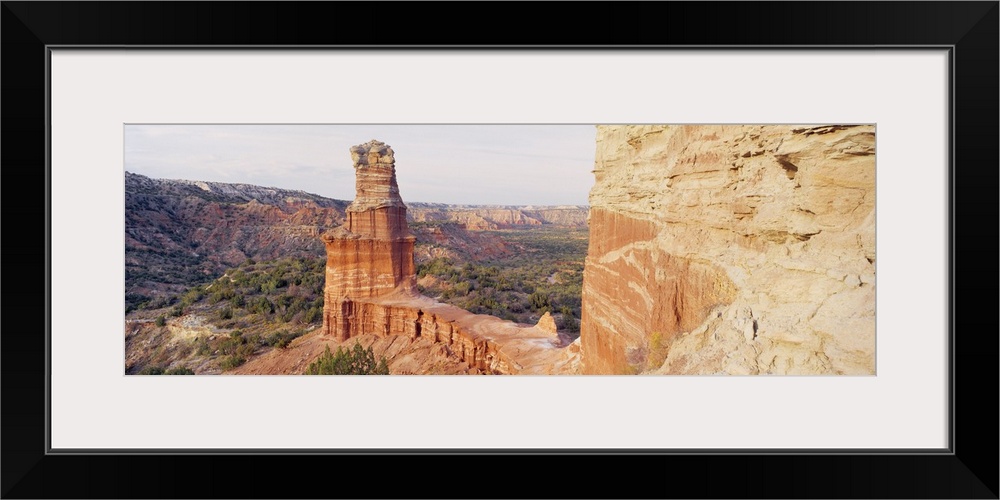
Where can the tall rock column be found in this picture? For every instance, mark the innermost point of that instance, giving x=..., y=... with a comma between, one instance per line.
x=371, y=255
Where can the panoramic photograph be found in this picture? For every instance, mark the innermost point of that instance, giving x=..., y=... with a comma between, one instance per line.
x=499, y=249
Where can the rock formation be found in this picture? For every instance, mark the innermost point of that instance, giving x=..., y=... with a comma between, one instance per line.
x=481, y=218
x=547, y=323
x=371, y=255
x=731, y=249
x=371, y=286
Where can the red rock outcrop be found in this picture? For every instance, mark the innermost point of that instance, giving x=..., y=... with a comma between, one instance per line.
x=180, y=231
x=731, y=250
x=371, y=287
x=371, y=255
x=547, y=323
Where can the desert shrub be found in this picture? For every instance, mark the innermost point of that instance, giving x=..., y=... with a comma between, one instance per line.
x=226, y=293
x=226, y=313
x=201, y=347
x=538, y=300
x=151, y=370
x=260, y=305
x=179, y=371
x=193, y=295
x=161, y=321
x=281, y=338
x=658, y=350
x=357, y=361
x=313, y=315
x=232, y=361
x=570, y=324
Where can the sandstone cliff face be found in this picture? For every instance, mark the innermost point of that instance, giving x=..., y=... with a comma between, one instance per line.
x=484, y=343
x=731, y=249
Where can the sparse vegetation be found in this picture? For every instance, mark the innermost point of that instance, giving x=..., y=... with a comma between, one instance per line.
x=546, y=277
x=260, y=305
x=658, y=351
x=356, y=361
x=232, y=361
x=285, y=291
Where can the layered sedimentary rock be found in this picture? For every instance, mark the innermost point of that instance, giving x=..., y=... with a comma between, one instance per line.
x=371, y=255
x=485, y=343
x=499, y=217
x=371, y=289
x=731, y=249
x=182, y=232
x=453, y=240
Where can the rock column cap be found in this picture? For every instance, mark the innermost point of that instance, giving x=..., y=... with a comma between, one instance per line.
x=372, y=152
x=375, y=177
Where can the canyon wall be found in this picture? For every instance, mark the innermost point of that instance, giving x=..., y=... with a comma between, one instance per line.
x=371, y=286
x=500, y=217
x=179, y=233
x=485, y=343
x=731, y=250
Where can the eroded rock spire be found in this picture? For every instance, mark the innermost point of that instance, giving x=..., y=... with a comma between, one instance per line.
x=371, y=255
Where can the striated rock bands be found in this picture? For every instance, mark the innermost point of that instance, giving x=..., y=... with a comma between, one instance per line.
x=371, y=255
x=371, y=291
x=485, y=343
x=179, y=233
x=482, y=218
x=731, y=249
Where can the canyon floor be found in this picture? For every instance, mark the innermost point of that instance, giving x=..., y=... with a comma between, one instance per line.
x=264, y=316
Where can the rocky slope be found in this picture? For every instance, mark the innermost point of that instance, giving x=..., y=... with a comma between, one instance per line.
x=731, y=249
x=179, y=232
x=453, y=240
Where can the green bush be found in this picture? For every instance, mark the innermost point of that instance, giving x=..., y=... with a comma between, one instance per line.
x=161, y=321
x=151, y=370
x=232, y=361
x=202, y=347
x=357, y=361
x=539, y=300
x=179, y=371
x=313, y=314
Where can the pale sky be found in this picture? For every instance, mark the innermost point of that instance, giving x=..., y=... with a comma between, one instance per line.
x=457, y=164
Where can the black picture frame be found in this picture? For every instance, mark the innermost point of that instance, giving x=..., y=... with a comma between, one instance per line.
x=968, y=29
